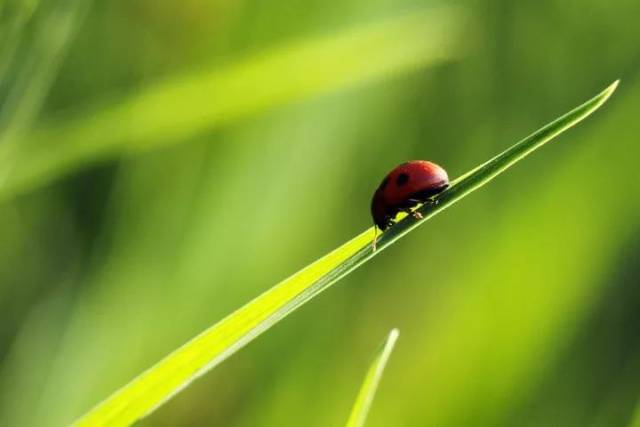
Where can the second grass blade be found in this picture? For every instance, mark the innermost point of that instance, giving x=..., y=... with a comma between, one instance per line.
x=362, y=404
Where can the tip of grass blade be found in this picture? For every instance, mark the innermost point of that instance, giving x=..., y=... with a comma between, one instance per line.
x=609, y=91
x=369, y=386
x=393, y=336
x=487, y=171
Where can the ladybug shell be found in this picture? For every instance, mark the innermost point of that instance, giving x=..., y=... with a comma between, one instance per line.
x=405, y=186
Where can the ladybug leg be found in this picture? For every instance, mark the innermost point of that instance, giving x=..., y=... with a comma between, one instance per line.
x=412, y=212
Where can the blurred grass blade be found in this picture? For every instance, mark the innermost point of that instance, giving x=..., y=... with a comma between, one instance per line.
x=14, y=16
x=175, y=110
x=172, y=374
x=635, y=419
x=29, y=69
x=371, y=380
x=37, y=62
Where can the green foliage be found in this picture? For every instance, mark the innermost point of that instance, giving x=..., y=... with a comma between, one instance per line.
x=635, y=422
x=172, y=111
x=171, y=375
x=518, y=308
x=369, y=386
x=29, y=62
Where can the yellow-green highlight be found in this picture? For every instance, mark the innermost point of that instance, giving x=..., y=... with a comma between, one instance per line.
x=367, y=392
x=208, y=349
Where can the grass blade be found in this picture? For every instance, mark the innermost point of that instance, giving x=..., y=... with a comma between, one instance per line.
x=172, y=374
x=174, y=110
x=371, y=380
x=36, y=69
x=635, y=419
x=14, y=17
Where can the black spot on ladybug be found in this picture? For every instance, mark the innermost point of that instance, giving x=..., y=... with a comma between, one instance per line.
x=402, y=179
x=384, y=183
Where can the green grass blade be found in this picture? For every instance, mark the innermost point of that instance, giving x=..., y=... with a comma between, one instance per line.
x=14, y=16
x=172, y=111
x=371, y=380
x=487, y=171
x=36, y=70
x=635, y=419
x=172, y=374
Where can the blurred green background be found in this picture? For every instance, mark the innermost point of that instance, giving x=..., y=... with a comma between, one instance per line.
x=161, y=163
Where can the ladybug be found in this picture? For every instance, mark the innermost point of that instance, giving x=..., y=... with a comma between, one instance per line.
x=403, y=188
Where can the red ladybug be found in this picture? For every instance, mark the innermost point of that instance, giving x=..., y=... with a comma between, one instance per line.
x=403, y=188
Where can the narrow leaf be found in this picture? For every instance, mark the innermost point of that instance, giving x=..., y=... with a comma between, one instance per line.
x=36, y=67
x=172, y=374
x=371, y=380
x=635, y=419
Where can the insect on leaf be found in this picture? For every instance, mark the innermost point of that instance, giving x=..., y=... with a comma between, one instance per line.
x=207, y=350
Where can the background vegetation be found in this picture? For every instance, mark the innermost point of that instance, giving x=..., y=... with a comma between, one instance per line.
x=163, y=163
